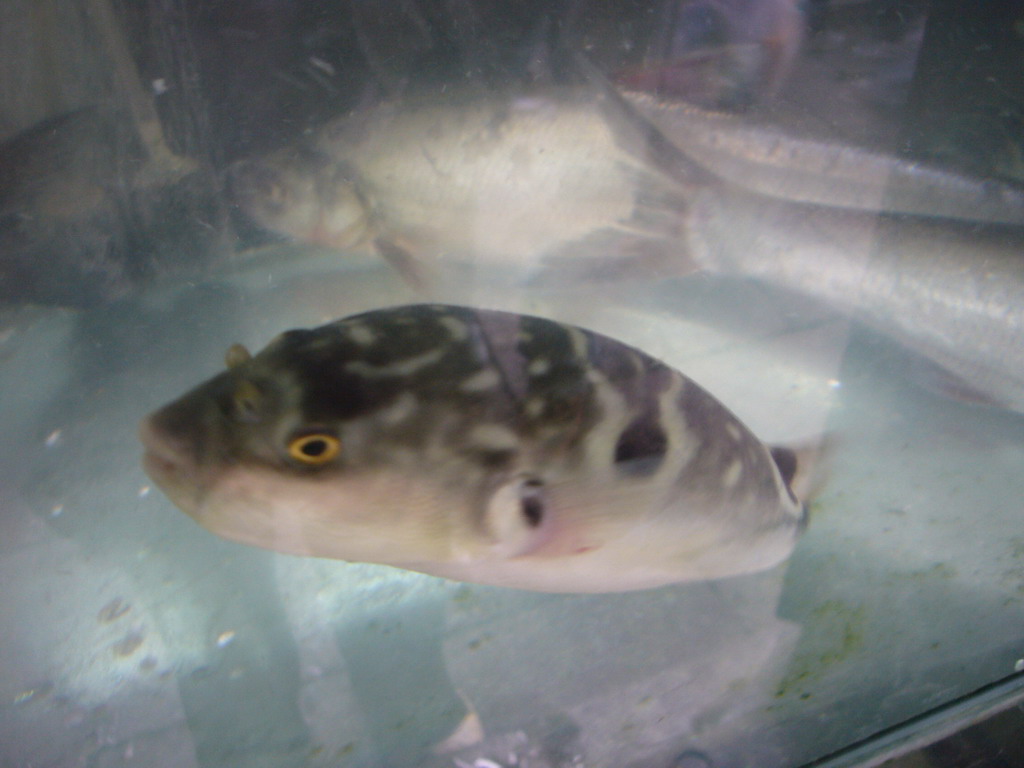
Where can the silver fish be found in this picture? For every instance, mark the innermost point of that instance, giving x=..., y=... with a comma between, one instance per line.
x=497, y=179
x=953, y=293
x=778, y=164
x=476, y=445
x=950, y=290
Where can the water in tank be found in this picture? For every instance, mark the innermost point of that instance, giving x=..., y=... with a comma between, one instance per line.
x=673, y=417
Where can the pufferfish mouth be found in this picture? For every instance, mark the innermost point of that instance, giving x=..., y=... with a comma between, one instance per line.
x=158, y=467
x=168, y=464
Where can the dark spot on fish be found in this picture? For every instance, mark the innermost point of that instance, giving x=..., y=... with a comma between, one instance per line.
x=496, y=458
x=332, y=394
x=128, y=644
x=785, y=460
x=532, y=502
x=113, y=610
x=341, y=380
x=641, y=447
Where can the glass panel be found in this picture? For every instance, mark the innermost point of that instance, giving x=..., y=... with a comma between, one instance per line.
x=813, y=210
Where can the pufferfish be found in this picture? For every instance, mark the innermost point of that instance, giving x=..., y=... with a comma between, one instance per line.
x=480, y=446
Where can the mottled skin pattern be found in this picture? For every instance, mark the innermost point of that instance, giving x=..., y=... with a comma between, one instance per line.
x=532, y=454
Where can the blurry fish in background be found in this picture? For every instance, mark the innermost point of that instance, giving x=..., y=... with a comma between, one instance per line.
x=509, y=180
x=481, y=446
x=55, y=213
x=538, y=180
x=720, y=53
x=951, y=290
x=99, y=201
x=81, y=223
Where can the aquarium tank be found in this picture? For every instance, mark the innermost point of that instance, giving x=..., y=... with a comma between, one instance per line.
x=493, y=384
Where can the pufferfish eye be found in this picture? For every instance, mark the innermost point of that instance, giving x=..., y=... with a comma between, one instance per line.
x=314, y=448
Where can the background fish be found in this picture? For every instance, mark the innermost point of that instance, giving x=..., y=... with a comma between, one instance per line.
x=948, y=289
x=477, y=445
x=86, y=218
x=579, y=182
x=780, y=164
x=951, y=292
x=499, y=179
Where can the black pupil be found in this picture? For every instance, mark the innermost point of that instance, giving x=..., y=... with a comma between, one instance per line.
x=314, y=447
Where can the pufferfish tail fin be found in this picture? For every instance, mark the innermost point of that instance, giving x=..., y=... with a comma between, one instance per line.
x=805, y=468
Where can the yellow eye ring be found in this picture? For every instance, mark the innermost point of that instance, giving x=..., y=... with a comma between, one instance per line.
x=315, y=448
